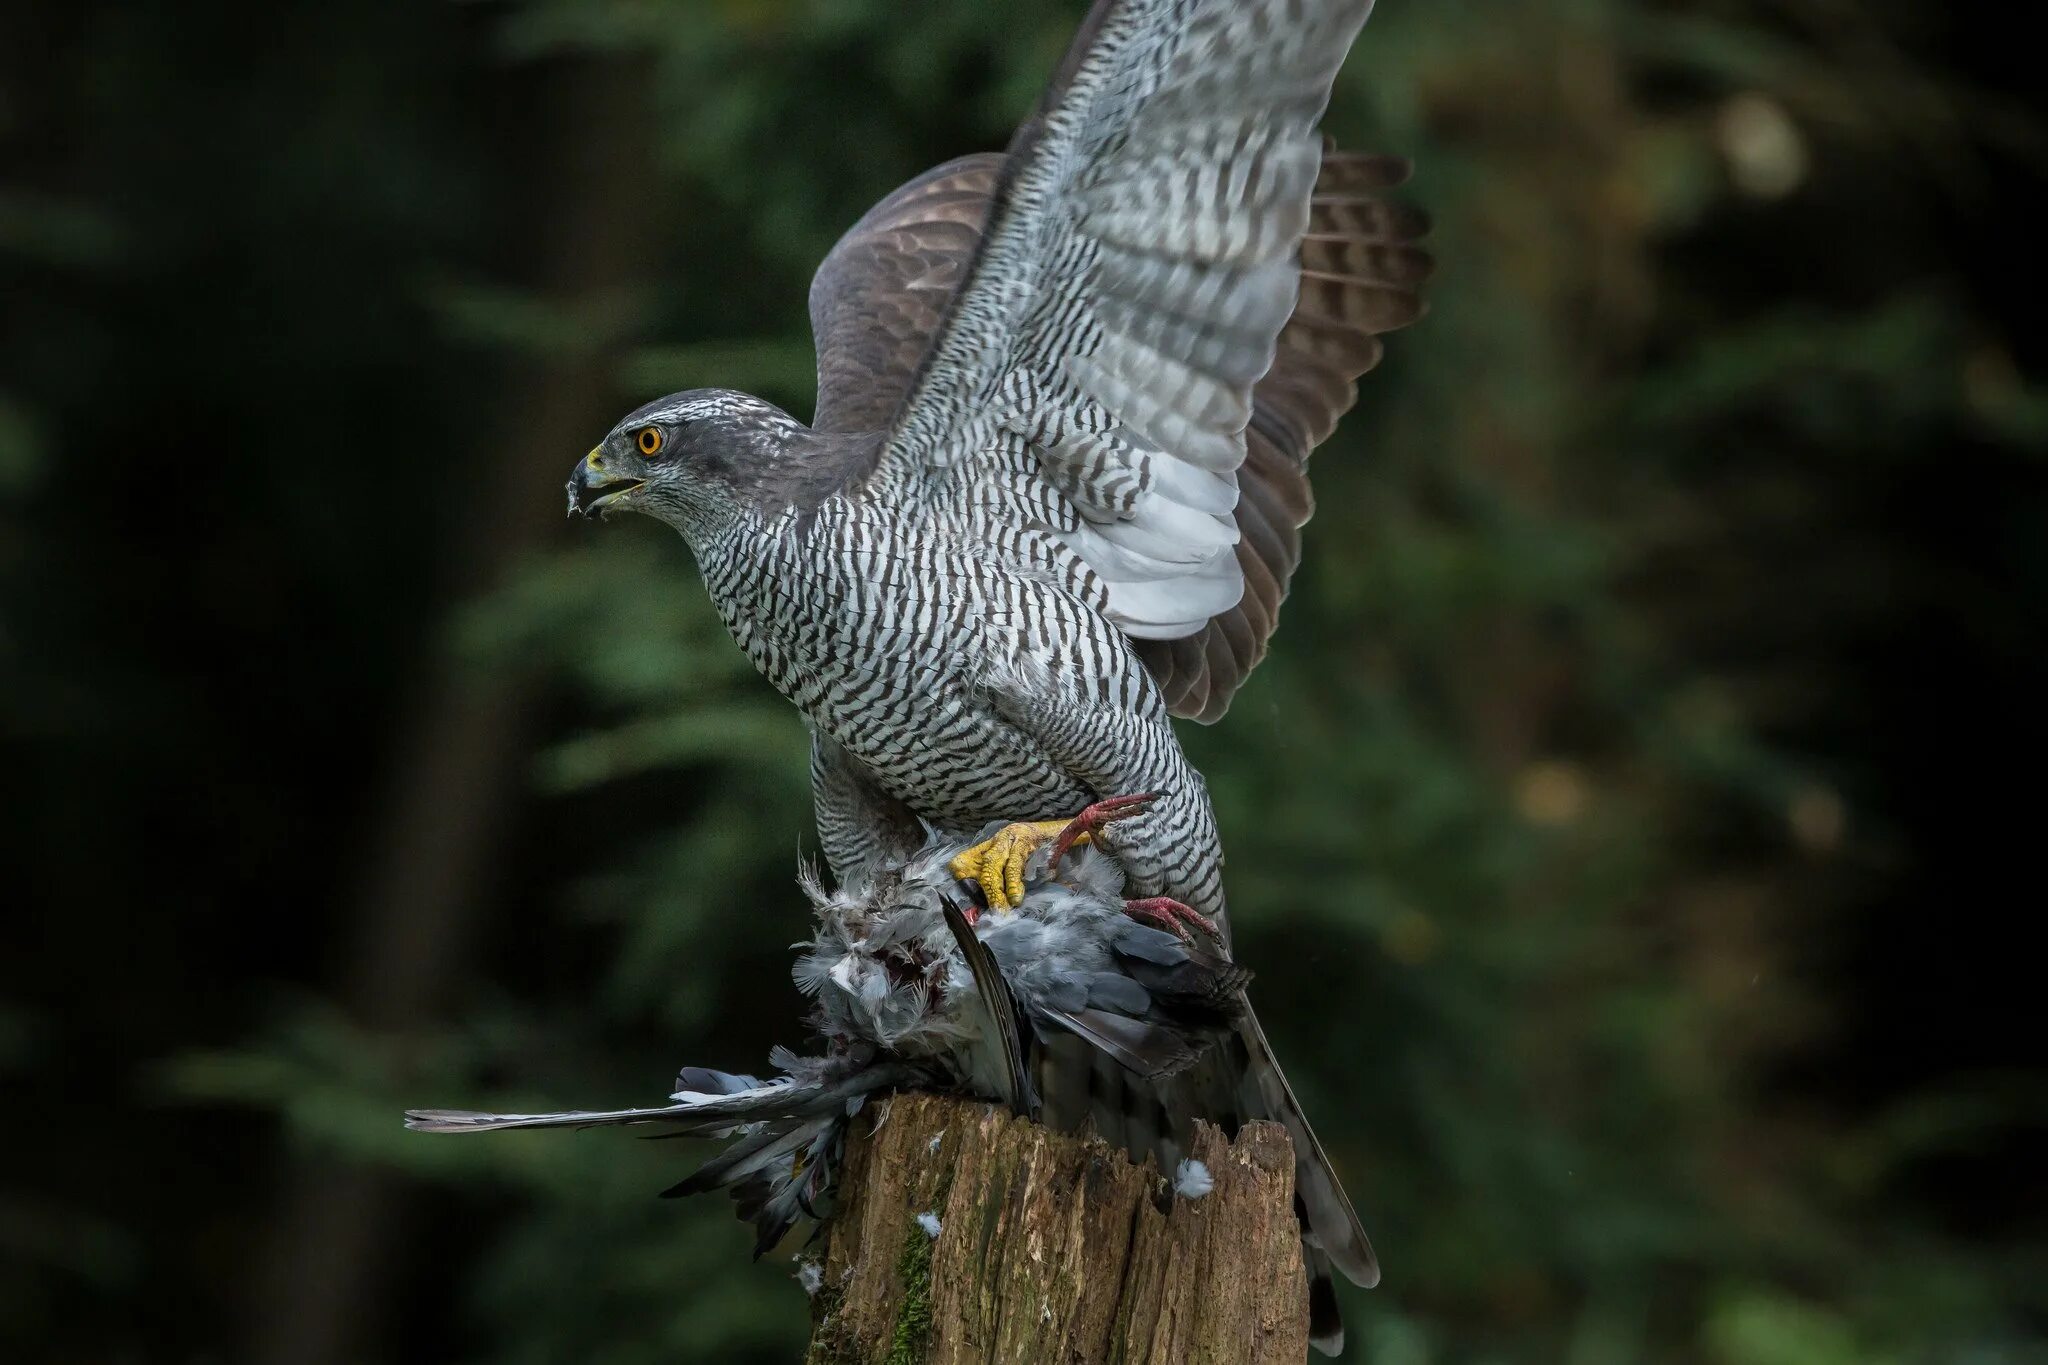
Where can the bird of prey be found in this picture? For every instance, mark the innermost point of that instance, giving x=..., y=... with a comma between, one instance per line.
x=1052, y=489
x=1051, y=493
x=1070, y=1008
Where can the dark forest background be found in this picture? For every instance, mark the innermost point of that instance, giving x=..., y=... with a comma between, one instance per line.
x=1636, y=830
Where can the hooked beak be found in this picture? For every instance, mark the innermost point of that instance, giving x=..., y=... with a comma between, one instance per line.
x=602, y=482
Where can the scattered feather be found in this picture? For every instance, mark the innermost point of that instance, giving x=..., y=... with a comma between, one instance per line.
x=811, y=1276
x=1191, y=1180
x=930, y=1221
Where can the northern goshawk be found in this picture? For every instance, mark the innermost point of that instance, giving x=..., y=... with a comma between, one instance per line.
x=1051, y=493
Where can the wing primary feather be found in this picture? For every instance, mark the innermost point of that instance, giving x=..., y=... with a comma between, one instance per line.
x=1001, y=1007
x=1146, y=1050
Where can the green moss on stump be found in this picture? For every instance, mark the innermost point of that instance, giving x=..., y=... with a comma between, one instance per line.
x=913, y=1330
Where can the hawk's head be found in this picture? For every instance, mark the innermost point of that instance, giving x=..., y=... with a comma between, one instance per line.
x=691, y=459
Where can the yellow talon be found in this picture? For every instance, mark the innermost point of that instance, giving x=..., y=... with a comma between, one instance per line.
x=997, y=862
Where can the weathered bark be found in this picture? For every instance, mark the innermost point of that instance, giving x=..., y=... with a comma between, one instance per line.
x=1055, y=1249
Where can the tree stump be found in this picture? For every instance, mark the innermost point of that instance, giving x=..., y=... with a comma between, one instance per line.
x=1052, y=1248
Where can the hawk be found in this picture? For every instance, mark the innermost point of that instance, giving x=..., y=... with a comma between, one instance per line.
x=1051, y=494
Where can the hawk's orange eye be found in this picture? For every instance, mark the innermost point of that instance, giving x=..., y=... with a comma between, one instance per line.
x=649, y=440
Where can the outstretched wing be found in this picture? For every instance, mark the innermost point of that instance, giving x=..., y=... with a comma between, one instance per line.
x=880, y=297
x=1362, y=269
x=1093, y=375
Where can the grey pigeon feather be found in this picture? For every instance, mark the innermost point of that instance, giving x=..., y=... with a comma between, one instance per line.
x=1065, y=1007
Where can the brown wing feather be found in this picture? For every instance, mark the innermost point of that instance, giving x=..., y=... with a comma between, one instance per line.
x=880, y=293
x=883, y=290
x=1361, y=274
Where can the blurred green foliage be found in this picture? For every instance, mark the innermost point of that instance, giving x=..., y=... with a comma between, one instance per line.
x=1555, y=821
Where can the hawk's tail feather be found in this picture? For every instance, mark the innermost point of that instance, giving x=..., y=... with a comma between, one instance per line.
x=1325, y=1322
x=1325, y=1207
